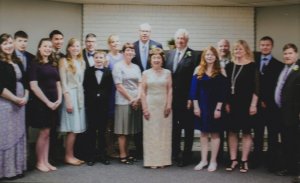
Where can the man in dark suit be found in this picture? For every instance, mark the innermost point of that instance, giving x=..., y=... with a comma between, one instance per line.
x=142, y=47
x=269, y=69
x=57, y=39
x=287, y=98
x=182, y=62
x=97, y=90
x=20, y=44
x=89, y=50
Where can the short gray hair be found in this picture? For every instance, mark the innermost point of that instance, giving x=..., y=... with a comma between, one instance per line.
x=182, y=32
x=145, y=25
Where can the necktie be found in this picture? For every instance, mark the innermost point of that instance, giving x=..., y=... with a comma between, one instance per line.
x=263, y=65
x=176, y=61
x=144, y=57
x=280, y=84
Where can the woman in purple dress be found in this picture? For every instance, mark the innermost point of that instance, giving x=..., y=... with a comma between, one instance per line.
x=13, y=97
x=208, y=92
x=47, y=96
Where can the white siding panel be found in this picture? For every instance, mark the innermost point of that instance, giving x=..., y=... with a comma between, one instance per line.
x=206, y=24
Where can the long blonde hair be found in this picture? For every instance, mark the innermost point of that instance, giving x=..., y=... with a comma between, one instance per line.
x=203, y=65
x=71, y=67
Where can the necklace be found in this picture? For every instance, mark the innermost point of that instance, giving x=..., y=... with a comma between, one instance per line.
x=233, y=78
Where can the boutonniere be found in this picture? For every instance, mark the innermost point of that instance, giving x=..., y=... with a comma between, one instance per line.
x=152, y=47
x=295, y=67
x=188, y=54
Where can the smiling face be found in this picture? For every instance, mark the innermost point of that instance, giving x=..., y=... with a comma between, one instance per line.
x=156, y=61
x=7, y=46
x=239, y=51
x=129, y=53
x=181, y=41
x=57, y=41
x=223, y=48
x=210, y=57
x=99, y=59
x=114, y=43
x=21, y=44
x=74, y=49
x=46, y=48
x=290, y=56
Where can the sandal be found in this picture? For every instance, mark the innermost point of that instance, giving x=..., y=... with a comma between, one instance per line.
x=244, y=166
x=131, y=158
x=232, y=165
x=125, y=161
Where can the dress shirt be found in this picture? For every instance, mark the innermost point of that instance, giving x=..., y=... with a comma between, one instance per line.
x=90, y=56
x=264, y=61
x=144, y=51
x=22, y=57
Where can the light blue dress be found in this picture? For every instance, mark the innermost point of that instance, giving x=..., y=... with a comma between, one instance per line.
x=72, y=83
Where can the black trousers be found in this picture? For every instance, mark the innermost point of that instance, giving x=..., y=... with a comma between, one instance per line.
x=290, y=142
x=182, y=119
x=270, y=118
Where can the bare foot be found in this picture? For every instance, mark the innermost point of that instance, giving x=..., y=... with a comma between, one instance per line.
x=42, y=168
x=72, y=161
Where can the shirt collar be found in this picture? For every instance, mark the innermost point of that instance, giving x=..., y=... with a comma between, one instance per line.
x=18, y=53
x=142, y=44
x=268, y=57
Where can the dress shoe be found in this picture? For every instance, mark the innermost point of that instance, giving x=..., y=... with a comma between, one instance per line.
x=182, y=163
x=90, y=163
x=105, y=161
x=283, y=172
x=296, y=179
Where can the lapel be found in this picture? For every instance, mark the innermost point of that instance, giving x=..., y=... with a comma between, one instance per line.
x=292, y=75
x=171, y=59
x=138, y=56
x=85, y=58
x=184, y=58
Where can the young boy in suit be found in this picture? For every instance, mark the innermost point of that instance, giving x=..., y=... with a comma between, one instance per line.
x=97, y=90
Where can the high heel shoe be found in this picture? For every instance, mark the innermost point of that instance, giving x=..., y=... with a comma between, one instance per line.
x=244, y=167
x=232, y=165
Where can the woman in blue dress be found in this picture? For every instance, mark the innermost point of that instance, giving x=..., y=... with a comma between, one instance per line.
x=208, y=92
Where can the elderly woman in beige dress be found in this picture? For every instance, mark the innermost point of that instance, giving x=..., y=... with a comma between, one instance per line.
x=157, y=102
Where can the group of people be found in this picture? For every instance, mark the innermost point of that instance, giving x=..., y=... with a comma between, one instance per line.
x=139, y=91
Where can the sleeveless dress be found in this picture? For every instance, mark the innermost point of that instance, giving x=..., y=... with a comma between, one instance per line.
x=12, y=133
x=157, y=131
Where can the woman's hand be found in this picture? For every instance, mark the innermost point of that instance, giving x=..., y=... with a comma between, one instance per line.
x=227, y=108
x=22, y=101
x=51, y=105
x=167, y=111
x=135, y=104
x=217, y=114
x=146, y=114
x=197, y=111
x=252, y=110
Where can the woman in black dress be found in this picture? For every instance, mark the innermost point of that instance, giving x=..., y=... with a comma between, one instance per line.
x=242, y=104
x=47, y=96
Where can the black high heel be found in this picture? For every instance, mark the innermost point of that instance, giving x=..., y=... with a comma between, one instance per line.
x=232, y=165
x=125, y=161
x=244, y=167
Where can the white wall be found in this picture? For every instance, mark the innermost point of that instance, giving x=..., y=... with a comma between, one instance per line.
x=38, y=18
x=206, y=24
x=282, y=23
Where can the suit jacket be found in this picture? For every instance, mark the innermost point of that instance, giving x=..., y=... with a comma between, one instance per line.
x=137, y=59
x=97, y=96
x=290, y=97
x=85, y=58
x=182, y=77
x=268, y=80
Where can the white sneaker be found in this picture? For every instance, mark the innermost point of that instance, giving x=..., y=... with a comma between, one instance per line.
x=200, y=166
x=212, y=167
